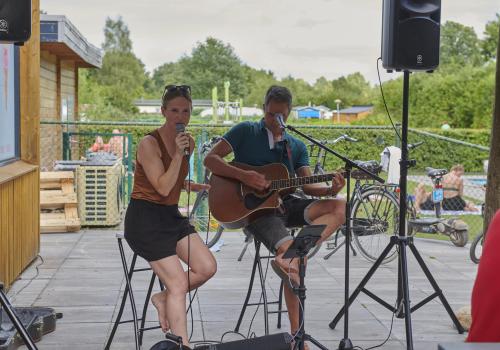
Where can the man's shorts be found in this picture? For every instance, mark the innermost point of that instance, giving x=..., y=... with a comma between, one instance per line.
x=272, y=230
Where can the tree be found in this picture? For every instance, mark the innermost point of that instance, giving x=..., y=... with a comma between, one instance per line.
x=258, y=81
x=459, y=45
x=493, y=193
x=122, y=77
x=167, y=73
x=116, y=36
x=490, y=42
x=211, y=64
x=352, y=89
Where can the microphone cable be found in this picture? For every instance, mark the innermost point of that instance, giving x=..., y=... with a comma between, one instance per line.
x=383, y=99
x=191, y=297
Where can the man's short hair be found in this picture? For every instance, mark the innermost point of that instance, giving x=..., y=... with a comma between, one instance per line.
x=278, y=94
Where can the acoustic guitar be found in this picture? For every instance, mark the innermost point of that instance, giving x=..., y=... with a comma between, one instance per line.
x=235, y=205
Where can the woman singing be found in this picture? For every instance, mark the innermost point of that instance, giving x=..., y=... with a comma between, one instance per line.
x=154, y=227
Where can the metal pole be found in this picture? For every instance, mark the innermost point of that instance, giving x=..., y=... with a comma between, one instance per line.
x=214, y=105
x=226, y=99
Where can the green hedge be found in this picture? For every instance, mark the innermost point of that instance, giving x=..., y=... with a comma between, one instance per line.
x=434, y=152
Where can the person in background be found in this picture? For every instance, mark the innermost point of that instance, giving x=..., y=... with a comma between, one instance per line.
x=485, y=305
x=453, y=191
x=116, y=144
x=98, y=145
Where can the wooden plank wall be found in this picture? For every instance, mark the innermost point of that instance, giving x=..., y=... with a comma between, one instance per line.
x=58, y=84
x=19, y=229
x=50, y=104
x=20, y=189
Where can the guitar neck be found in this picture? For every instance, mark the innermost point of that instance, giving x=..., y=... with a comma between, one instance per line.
x=300, y=181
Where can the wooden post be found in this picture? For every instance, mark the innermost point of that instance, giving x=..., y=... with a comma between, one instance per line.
x=30, y=91
x=493, y=193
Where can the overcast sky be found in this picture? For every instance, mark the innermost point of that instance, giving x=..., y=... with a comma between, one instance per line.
x=305, y=39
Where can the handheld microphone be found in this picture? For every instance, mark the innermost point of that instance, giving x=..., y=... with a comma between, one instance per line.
x=180, y=127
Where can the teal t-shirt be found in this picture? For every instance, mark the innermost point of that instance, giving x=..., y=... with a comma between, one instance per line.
x=250, y=143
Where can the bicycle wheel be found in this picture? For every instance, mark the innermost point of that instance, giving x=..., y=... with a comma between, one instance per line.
x=375, y=218
x=208, y=228
x=476, y=248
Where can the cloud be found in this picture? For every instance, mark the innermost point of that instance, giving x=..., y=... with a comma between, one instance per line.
x=305, y=39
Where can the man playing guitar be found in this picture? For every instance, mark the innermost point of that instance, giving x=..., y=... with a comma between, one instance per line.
x=265, y=142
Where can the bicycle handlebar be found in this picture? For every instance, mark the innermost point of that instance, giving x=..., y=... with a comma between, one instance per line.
x=415, y=145
x=207, y=146
x=338, y=139
x=350, y=139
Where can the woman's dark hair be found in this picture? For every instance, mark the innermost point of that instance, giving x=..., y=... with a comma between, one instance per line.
x=278, y=94
x=174, y=91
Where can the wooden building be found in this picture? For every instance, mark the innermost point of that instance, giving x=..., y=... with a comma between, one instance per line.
x=63, y=51
x=351, y=114
x=37, y=80
x=19, y=160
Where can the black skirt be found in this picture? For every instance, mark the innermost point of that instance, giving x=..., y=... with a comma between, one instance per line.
x=152, y=230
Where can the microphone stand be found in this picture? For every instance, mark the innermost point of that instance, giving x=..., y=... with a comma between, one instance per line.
x=345, y=343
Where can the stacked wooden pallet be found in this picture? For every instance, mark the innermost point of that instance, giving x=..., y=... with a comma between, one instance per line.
x=58, y=202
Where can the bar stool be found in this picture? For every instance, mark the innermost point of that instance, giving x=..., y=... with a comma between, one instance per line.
x=257, y=265
x=128, y=273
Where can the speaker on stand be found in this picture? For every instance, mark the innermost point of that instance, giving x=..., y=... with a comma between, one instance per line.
x=410, y=34
x=15, y=21
x=410, y=42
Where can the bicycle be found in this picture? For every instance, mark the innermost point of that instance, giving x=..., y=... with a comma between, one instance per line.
x=456, y=229
x=374, y=215
x=199, y=215
x=374, y=209
x=476, y=247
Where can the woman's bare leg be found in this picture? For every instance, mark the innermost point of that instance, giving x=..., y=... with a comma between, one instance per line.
x=201, y=261
x=169, y=270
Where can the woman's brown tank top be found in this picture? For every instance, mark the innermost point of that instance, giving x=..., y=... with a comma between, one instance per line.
x=143, y=188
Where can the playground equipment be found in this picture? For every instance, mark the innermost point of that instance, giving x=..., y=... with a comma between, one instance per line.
x=231, y=110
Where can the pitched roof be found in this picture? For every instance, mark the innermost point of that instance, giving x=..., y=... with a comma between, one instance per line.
x=356, y=109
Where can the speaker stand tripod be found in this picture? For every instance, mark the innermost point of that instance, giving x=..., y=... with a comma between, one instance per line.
x=401, y=242
x=5, y=305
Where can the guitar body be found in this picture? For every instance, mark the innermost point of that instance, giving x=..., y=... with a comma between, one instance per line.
x=235, y=205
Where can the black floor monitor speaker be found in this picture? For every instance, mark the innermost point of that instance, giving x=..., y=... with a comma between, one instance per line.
x=15, y=21
x=279, y=341
x=410, y=34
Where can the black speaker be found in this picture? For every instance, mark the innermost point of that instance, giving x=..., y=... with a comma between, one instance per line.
x=410, y=34
x=279, y=341
x=15, y=21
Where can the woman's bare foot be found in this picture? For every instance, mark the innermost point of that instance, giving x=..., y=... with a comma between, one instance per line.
x=159, y=301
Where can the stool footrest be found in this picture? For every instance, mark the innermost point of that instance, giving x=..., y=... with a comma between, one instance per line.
x=129, y=321
x=262, y=303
